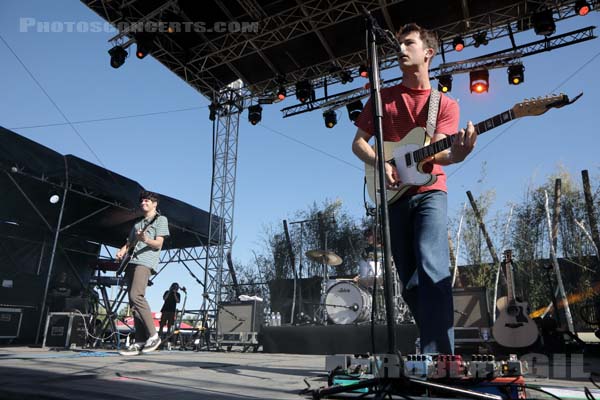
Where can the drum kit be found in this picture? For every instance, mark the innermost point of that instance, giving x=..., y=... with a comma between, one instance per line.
x=350, y=300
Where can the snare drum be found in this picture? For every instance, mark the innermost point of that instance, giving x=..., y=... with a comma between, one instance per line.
x=347, y=303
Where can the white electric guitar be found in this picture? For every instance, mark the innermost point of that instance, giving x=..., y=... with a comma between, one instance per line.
x=410, y=153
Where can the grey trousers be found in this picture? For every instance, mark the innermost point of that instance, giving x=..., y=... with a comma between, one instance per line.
x=137, y=280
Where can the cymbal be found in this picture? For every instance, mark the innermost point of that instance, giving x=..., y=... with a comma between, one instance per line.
x=325, y=257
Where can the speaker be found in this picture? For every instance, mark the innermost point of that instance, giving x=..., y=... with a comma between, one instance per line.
x=10, y=322
x=471, y=308
x=65, y=329
x=239, y=316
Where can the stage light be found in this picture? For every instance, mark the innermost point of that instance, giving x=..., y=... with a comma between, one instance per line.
x=54, y=198
x=516, y=74
x=144, y=44
x=445, y=83
x=117, y=56
x=354, y=109
x=543, y=23
x=458, y=43
x=582, y=7
x=330, y=118
x=281, y=93
x=304, y=91
x=346, y=77
x=480, y=39
x=213, y=107
x=479, y=81
x=363, y=71
x=254, y=114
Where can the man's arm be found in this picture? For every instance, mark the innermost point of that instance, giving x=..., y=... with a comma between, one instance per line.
x=362, y=149
x=153, y=243
x=122, y=251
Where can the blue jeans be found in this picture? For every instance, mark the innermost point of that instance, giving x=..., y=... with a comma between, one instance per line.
x=419, y=239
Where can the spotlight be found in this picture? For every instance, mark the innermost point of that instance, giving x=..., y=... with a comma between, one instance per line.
x=354, y=109
x=363, y=71
x=304, y=91
x=516, y=75
x=582, y=7
x=543, y=23
x=480, y=38
x=145, y=44
x=254, y=114
x=117, y=56
x=346, y=77
x=445, y=83
x=213, y=107
x=458, y=43
x=330, y=118
x=281, y=93
x=54, y=198
x=479, y=81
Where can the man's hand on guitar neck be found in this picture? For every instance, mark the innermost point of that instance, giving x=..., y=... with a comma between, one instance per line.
x=463, y=143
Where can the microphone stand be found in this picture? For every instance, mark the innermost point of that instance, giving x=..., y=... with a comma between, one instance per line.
x=374, y=32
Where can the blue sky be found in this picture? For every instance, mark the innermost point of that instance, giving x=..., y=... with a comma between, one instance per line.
x=276, y=175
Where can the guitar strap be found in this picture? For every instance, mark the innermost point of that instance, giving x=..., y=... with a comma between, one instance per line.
x=434, y=106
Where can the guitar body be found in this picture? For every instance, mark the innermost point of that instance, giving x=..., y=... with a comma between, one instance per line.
x=513, y=327
x=410, y=174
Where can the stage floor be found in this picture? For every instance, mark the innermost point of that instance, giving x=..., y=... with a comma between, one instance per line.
x=36, y=373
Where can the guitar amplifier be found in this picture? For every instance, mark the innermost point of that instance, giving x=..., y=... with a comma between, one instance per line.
x=66, y=329
x=471, y=308
x=239, y=316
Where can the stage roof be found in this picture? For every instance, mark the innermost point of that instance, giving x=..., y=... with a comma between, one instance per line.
x=269, y=42
x=101, y=205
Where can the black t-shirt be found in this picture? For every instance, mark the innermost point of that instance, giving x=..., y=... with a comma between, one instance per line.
x=171, y=301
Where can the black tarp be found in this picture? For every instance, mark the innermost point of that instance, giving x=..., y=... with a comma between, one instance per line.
x=101, y=205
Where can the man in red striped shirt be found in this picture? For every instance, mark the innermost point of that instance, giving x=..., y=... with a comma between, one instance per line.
x=418, y=220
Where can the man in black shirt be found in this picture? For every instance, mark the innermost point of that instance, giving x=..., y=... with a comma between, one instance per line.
x=169, y=308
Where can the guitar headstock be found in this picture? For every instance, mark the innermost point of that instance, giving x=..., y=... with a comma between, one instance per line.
x=538, y=106
x=508, y=256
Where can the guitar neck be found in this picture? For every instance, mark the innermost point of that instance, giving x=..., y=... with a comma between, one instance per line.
x=446, y=143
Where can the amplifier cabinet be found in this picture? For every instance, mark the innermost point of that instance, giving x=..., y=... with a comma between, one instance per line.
x=66, y=329
x=239, y=316
x=10, y=322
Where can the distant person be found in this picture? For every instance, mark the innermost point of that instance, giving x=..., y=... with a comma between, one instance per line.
x=169, y=308
x=147, y=235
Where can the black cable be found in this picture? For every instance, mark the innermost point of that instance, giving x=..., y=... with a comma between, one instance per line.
x=588, y=394
x=592, y=374
x=540, y=390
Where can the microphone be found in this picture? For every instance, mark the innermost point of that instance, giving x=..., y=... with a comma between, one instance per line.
x=183, y=288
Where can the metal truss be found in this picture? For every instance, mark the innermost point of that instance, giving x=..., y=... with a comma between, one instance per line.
x=222, y=199
x=498, y=59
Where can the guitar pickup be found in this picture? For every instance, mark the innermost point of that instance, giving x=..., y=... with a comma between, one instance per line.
x=408, y=159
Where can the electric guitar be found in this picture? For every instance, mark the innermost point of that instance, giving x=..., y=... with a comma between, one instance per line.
x=513, y=327
x=131, y=250
x=410, y=153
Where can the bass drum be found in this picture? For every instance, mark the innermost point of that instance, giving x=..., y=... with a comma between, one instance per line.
x=347, y=303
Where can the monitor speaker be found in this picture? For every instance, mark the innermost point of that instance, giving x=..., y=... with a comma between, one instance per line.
x=242, y=316
x=471, y=308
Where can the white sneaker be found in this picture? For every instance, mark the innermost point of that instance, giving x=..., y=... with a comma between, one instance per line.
x=131, y=350
x=152, y=343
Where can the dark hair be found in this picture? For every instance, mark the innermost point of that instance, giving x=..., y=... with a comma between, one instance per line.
x=149, y=195
x=429, y=38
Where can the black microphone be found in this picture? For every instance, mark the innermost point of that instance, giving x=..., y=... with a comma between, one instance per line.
x=183, y=288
